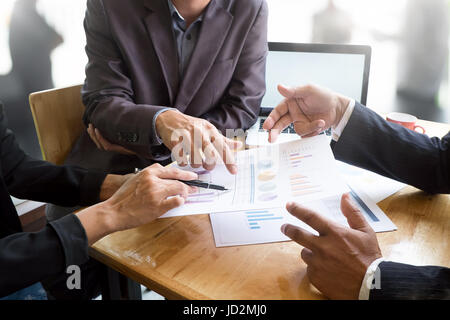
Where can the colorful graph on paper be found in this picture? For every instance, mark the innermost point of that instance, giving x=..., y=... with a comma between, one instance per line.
x=301, y=184
x=301, y=170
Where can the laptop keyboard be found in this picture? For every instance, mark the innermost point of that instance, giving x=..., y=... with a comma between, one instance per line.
x=289, y=129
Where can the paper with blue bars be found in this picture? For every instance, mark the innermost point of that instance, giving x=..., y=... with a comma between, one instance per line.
x=263, y=226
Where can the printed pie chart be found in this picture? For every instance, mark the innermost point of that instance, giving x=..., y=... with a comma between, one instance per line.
x=268, y=186
x=267, y=175
x=265, y=164
x=268, y=197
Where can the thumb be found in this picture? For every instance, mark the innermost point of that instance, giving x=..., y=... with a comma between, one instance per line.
x=297, y=92
x=286, y=92
x=354, y=216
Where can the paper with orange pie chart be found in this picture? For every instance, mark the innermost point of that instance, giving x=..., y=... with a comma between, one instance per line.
x=302, y=171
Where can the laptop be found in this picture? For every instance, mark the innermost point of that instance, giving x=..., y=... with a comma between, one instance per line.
x=341, y=68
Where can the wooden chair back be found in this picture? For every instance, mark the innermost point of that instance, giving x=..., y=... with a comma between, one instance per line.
x=57, y=115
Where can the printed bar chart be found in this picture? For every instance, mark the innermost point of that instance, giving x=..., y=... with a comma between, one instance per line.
x=295, y=159
x=301, y=185
x=255, y=218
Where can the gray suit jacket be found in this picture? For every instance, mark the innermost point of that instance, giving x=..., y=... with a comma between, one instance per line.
x=133, y=73
x=412, y=158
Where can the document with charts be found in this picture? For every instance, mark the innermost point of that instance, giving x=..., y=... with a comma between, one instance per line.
x=264, y=226
x=302, y=170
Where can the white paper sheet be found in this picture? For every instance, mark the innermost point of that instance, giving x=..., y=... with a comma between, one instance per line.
x=263, y=226
x=375, y=186
x=302, y=170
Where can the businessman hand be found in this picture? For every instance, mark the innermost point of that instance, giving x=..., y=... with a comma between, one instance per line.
x=312, y=110
x=150, y=194
x=104, y=144
x=143, y=198
x=338, y=258
x=195, y=141
x=111, y=184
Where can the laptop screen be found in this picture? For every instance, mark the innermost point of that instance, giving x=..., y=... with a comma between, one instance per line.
x=340, y=72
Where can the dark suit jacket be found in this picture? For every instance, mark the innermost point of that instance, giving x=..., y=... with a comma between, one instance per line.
x=372, y=143
x=133, y=73
x=27, y=258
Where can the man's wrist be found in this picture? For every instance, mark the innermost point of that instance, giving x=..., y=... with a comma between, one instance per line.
x=98, y=221
x=344, y=118
x=157, y=137
x=343, y=105
x=160, y=121
x=110, y=185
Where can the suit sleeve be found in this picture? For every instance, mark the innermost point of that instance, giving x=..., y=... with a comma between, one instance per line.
x=31, y=179
x=399, y=281
x=108, y=92
x=27, y=258
x=391, y=150
x=239, y=107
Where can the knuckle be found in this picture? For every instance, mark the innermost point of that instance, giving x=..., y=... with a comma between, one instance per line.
x=179, y=201
x=176, y=172
x=208, y=124
x=185, y=191
x=147, y=176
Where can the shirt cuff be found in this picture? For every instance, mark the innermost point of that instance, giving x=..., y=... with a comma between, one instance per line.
x=154, y=132
x=337, y=131
x=366, y=285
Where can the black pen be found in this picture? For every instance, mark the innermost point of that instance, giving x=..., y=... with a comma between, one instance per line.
x=196, y=183
x=204, y=185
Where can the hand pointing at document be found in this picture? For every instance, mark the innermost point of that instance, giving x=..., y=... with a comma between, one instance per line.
x=339, y=256
x=310, y=108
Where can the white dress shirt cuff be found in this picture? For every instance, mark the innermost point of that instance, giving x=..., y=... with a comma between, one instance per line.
x=366, y=285
x=155, y=133
x=337, y=131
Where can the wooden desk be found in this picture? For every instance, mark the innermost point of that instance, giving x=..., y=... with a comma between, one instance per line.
x=177, y=257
